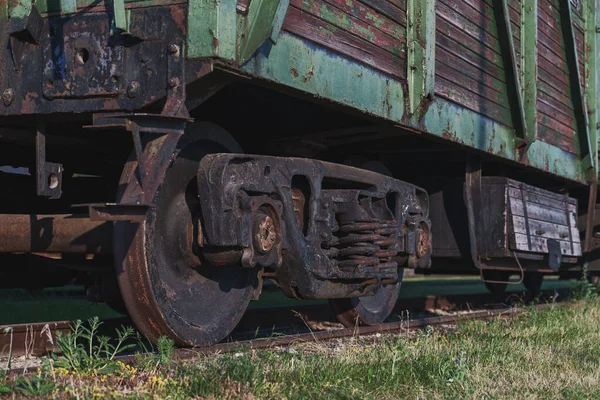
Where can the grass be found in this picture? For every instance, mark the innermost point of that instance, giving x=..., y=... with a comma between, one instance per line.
x=550, y=353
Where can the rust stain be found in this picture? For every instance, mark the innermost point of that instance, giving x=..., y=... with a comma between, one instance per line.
x=179, y=16
x=110, y=104
x=28, y=105
x=294, y=72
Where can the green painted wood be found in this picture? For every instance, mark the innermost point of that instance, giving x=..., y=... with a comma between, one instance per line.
x=19, y=9
x=591, y=66
x=420, y=40
x=212, y=29
x=312, y=69
x=68, y=6
x=579, y=100
x=529, y=66
x=278, y=21
x=505, y=37
x=120, y=16
x=3, y=11
x=257, y=27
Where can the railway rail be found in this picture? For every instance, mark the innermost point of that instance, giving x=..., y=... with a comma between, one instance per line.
x=186, y=354
x=38, y=339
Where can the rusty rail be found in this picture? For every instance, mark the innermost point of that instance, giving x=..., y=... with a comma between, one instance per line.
x=37, y=339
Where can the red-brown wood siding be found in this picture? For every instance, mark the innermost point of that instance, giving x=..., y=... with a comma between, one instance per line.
x=372, y=32
x=469, y=64
x=555, y=115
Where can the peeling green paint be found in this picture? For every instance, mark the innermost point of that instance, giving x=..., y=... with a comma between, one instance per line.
x=592, y=75
x=307, y=67
x=257, y=27
x=212, y=29
x=20, y=9
x=529, y=66
x=420, y=40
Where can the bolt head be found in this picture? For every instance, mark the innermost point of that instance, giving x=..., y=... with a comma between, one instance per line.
x=133, y=89
x=8, y=96
x=173, y=82
x=173, y=49
x=265, y=233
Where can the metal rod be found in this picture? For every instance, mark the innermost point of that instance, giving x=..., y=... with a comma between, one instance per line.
x=61, y=233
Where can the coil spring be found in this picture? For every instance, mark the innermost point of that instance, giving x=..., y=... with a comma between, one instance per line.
x=365, y=243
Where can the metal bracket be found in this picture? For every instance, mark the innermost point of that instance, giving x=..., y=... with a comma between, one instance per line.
x=154, y=154
x=474, y=209
x=507, y=282
x=555, y=254
x=175, y=105
x=24, y=30
x=48, y=175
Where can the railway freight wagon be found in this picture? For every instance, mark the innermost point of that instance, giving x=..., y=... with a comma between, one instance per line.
x=171, y=155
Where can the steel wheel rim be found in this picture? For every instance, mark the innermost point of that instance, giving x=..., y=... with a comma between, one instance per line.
x=163, y=293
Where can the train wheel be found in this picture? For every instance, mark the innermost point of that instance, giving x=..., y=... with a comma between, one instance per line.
x=167, y=291
x=532, y=280
x=497, y=276
x=367, y=310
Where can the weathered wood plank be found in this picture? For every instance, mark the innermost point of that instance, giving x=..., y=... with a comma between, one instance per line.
x=545, y=230
x=471, y=28
x=476, y=12
x=550, y=136
x=491, y=62
x=394, y=43
x=472, y=101
x=312, y=28
x=540, y=245
x=559, y=115
x=541, y=213
x=534, y=189
x=555, y=106
x=448, y=32
x=396, y=10
x=542, y=199
x=547, y=97
x=556, y=89
x=367, y=15
x=463, y=67
x=499, y=98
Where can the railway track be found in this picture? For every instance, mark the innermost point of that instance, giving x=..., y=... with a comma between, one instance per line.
x=299, y=322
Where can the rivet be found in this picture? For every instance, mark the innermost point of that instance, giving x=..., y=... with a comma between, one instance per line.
x=133, y=89
x=8, y=96
x=173, y=82
x=173, y=49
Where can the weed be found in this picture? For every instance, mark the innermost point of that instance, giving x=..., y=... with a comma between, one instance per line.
x=35, y=385
x=4, y=388
x=584, y=289
x=86, y=352
x=166, y=348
